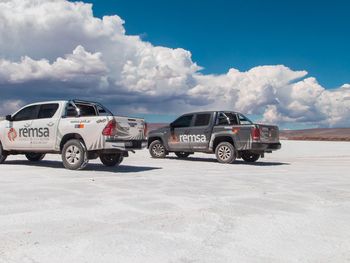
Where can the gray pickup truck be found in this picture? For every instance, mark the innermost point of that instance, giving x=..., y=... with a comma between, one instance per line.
x=230, y=135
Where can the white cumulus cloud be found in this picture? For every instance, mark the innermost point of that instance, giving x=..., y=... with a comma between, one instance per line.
x=74, y=66
x=52, y=49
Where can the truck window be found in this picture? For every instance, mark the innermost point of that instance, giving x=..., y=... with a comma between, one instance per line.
x=86, y=110
x=202, y=119
x=227, y=118
x=244, y=120
x=183, y=121
x=71, y=111
x=103, y=111
x=47, y=111
x=28, y=113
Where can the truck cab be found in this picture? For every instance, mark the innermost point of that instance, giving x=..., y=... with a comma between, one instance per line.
x=237, y=136
x=79, y=130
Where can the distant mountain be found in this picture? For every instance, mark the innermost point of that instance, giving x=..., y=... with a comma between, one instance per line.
x=154, y=126
x=327, y=134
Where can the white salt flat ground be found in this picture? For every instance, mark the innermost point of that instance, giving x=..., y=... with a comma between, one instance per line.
x=294, y=206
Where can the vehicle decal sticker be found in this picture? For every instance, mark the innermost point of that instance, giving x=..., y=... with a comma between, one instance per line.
x=193, y=138
x=12, y=135
x=34, y=132
x=98, y=144
x=235, y=130
x=101, y=120
x=173, y=139
x=37, y=133
x=185, y=138
x=80, y=121
x=125, y=133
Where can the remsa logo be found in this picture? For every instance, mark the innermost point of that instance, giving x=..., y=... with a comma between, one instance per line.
x=12, y=135
x=193, y=138
x=34, y=132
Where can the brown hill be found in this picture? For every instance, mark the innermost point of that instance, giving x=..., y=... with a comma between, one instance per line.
x=326, y=134
x=153, y=126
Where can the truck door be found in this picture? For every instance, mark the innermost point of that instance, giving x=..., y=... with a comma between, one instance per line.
x=19, y=130
x=200, y=132
x=245, y=131
x=178, y=139
x=45, y=127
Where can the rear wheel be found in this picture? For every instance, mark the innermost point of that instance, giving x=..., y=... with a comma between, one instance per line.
x=182, y=155
x=225, y=152
x=250, y=157
x=157, y=149
x=111, y=159
x=3, y=155
x=35, y=157
x=74, y=155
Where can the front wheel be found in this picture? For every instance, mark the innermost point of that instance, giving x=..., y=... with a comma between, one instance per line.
x=74, y=155
x=111, y=159
x=35, y=157
x=250, y=157
x=157, y=149
x=225, y=153
x=182, y=155
x=3, y=155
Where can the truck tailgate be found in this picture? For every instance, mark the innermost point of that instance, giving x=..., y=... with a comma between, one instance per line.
x=268, y=133
x=130, y=128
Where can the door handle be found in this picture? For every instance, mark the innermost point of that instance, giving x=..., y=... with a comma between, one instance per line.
x=50, y=124
x=27, y=125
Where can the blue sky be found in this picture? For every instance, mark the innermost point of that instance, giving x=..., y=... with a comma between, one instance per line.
x=303, y=35
x=283, y=62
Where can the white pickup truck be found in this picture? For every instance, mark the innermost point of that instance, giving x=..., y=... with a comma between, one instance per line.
x=78, y=130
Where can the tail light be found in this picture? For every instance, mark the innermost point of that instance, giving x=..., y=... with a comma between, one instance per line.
x=145, y=131
x=110, y=128
x=256, y=134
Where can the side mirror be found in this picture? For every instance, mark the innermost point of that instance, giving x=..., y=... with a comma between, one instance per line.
x=8, y=117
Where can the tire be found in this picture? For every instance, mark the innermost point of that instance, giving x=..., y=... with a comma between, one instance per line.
x=182, y=155
x=3, y=155
x=74, y=155
x=35, y=157
x=250, y=157
x=225, y=153
x=157, y=149
x=111, y=159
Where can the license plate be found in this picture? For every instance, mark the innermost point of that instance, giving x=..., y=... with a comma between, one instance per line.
x=128, y=143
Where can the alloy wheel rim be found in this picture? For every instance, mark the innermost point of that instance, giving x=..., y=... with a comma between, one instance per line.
x=158, y=150
x=73, y=154
x=224, y=153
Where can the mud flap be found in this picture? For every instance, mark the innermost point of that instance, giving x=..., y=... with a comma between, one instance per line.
x=86, y=159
